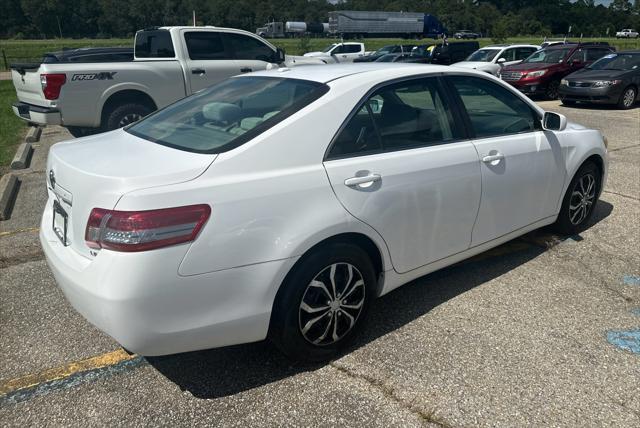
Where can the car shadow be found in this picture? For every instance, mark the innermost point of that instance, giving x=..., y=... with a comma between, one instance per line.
x=227, y=371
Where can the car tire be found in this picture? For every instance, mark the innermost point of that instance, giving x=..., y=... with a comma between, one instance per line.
x=568, y=103
x=303, y=325
x=577, y=208
x=627, y=98
x=81, y=131
x=125, y=114
x=552, y=89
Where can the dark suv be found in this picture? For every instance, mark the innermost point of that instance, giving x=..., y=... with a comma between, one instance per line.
x=540, y=73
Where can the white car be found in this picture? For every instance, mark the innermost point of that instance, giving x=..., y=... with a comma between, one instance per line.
x=491, y=59
x=339, y=52
x=627, y=33
x=281, y=203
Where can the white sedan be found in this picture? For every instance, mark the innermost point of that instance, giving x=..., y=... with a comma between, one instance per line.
x=281, y=203
x=491, y=59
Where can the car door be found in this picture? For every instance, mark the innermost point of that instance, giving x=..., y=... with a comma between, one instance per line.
x=522, y=166
x=250, y=53
x=402, y=165
x=208, y=60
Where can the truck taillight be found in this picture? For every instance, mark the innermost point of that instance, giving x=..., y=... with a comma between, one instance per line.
x=144, y=230
x=52, y=84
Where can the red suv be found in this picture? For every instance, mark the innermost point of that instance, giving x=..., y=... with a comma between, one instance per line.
x=541, y=72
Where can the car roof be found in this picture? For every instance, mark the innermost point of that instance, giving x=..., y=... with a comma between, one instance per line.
x=331, y=72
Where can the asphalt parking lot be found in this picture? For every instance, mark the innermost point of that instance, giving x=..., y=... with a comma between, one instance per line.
x=542, y=331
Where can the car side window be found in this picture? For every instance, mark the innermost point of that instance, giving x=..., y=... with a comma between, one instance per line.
x=205, y=45
x=338, y=50
x=359, y=136
x=578, y=55
x=246, y=47
x=492, y=109
x=522, y=53
x=595, y=54
x=508, y=55
x=353, y=49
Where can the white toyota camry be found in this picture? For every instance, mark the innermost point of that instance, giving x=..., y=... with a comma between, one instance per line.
x=280, y=204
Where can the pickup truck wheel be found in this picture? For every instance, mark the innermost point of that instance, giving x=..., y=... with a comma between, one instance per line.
x=126, y=114
x=81, y=131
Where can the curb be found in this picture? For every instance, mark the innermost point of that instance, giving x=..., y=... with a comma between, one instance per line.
x=21, y=159
x=8, y=191
x=33, y=136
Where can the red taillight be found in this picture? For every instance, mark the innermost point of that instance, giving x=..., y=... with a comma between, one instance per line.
x=144, y=230
x=52, y=84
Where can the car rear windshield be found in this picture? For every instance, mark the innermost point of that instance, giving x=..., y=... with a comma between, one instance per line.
x=154, y=44
x=548, y=56
x=483, y=55
x=621, y=61
x=228, y=114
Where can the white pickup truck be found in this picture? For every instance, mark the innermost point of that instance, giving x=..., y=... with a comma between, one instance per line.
x=339, y=52
x=169, y=64
x=627, y=33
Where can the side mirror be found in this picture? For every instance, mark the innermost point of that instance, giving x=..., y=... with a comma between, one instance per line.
x=554, y=121
x=279, y=56
x=501, y=60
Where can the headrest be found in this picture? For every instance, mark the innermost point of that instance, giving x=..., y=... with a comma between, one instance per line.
x=221, y=112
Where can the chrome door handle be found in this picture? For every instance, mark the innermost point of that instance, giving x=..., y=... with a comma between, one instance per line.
x=357, y=181
x=492, y=158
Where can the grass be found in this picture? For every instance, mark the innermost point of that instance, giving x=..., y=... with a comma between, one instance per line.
x=32, y=50
x=11, y=128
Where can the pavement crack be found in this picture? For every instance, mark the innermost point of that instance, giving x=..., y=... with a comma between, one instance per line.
x=624, y=148
x=389, y=392
x=6, y=262
x=622, y=194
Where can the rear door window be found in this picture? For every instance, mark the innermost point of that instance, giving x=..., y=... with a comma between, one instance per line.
x=508, y=55
x=522, y=53
x=207, y=45
x=596, y=54
x=154, y=44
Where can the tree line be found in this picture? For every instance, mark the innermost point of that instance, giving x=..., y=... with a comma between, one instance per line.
x=36, y=19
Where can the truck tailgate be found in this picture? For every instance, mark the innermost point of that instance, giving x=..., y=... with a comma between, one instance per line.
x=28, y=88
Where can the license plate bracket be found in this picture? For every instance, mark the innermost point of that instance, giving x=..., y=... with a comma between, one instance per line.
x=60, y=222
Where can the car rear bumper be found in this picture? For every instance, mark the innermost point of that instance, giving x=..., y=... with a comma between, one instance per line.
x=37, y=114
x=141, y=301
x=609, y=95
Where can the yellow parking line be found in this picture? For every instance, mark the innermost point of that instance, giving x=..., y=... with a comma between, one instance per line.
x=64, y=372
x=13, y=232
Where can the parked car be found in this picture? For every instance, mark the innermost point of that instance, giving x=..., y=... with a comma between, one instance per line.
x=491, y=59
x=391, y=49
x=627, y=33
x=339, y=52
x=442, y=53
x=466, y=34
x=540, y=74
x=281, y=203
x=170, y=63
x=394, y=57
x=613, y=79
x=89, y=55
x=548, y=43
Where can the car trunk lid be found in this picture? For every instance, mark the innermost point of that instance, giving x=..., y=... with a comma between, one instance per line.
x=94, y=172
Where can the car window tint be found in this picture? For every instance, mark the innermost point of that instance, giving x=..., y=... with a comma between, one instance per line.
x=492, y=109
x=413, y=114
x=522, y=53
x=340, y=49
x=246, y=47
x=508, y=55
x=205, y=45
x=359, y=136
x=578, y=55
x=353, y=49
x=154, y=44
x=595, y=54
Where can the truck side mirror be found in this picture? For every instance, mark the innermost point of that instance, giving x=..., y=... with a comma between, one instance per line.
x=279, y=56
x=553, y=121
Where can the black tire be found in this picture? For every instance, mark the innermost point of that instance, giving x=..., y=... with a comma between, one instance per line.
x=627, y=98
x=125, y=114
x=552, y=89
x=81, y=131
x=567, y=222
x=289, y=319
x=569, y=103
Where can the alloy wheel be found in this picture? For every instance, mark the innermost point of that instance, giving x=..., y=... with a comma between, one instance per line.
x=629, y=97
x=331, y=304
x=128, y=119
x=582, y=199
